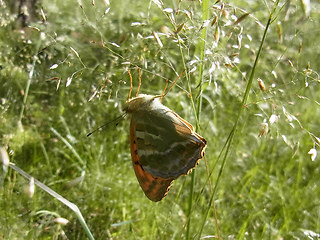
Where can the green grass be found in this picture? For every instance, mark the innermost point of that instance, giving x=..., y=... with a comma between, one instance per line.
x=264, y=188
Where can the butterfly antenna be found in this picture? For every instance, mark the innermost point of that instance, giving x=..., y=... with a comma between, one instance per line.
x=130, y=84
x=139, y=82
x=174, y=82
x=118, y=119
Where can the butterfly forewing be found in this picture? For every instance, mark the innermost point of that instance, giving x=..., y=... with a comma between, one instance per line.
x=155, y=188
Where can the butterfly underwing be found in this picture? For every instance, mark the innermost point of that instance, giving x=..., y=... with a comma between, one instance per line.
x=163, y=145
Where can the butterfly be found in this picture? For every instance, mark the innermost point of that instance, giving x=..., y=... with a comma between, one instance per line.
x=163, y=145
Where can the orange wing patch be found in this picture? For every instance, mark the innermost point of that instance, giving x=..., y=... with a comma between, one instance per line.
x=155, y=188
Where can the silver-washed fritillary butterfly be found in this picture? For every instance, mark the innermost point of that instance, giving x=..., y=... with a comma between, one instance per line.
x=163, y=145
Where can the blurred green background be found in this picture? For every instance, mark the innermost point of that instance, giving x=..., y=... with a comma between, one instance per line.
x=63, y=72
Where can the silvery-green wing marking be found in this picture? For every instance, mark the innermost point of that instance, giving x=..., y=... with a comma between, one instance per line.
x=166, y=144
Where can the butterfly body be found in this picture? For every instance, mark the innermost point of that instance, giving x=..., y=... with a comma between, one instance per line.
x=163, y=145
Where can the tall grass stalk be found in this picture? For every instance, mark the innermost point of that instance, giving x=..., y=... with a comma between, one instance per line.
x=241, y=108
x=201, y=45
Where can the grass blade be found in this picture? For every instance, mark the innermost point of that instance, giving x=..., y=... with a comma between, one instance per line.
x=57, y=196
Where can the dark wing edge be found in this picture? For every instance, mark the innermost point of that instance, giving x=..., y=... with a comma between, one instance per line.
x=201, y=141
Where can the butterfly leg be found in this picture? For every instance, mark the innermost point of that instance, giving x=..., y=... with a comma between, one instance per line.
x=130, y=84
x=174, y=82
x=139, y=69
x=164, y=90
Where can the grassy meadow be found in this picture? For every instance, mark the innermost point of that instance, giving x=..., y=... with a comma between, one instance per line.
x=249, y=85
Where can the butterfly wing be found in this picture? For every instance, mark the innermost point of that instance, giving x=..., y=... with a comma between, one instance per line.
x=155, y=188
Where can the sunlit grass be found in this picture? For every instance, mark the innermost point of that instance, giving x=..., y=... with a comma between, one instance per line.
x=269, y=184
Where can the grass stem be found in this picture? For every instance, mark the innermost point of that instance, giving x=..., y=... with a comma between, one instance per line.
x=202, y=44
x=231, y=135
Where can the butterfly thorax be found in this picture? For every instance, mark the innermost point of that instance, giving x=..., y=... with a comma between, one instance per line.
x=142, y=102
